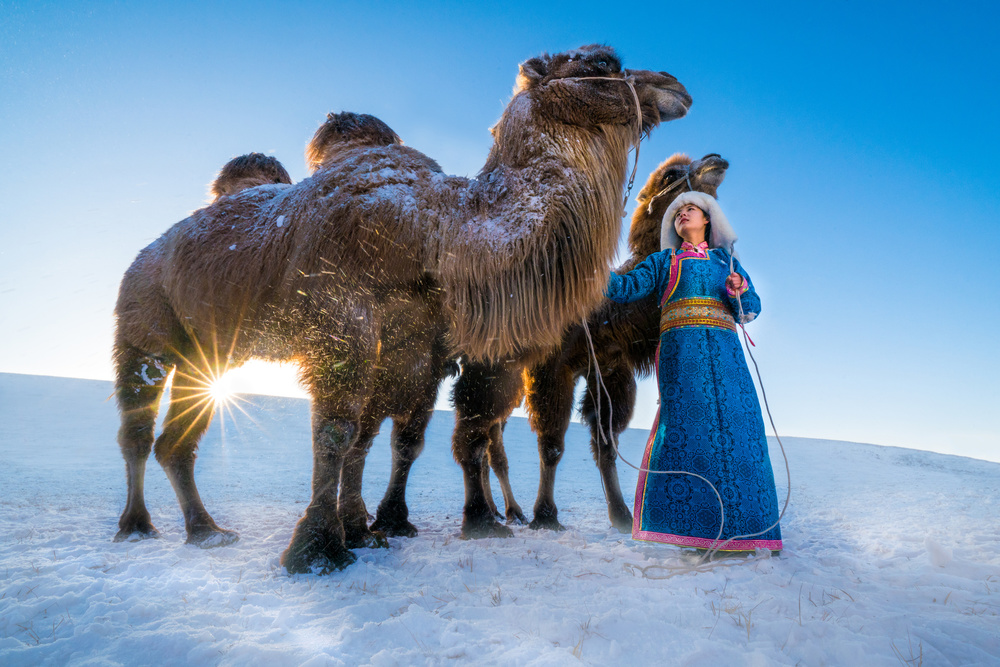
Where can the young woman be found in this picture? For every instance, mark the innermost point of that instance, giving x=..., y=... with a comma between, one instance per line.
x=709, y=422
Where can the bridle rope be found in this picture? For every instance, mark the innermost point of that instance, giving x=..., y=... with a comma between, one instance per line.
x=669, y=188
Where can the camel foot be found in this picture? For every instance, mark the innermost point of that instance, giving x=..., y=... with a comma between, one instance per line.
x=365, y=539
x=395, y=527
x=209, y=537
x=487, y=527
x=621, y=519
x=548, y=522
x=516, y=516
x=315, y=551
x=494, y=510
x=135, y=527
x=137, y=534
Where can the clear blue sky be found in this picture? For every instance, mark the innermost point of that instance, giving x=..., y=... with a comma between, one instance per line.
x=862, y=140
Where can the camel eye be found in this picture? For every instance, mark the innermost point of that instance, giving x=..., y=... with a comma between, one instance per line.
x=602, y=63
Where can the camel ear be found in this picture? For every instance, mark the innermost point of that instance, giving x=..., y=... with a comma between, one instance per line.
x=532, y=71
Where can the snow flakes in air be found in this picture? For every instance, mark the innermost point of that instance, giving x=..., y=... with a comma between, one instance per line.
x=281, y=221
x=232, y=247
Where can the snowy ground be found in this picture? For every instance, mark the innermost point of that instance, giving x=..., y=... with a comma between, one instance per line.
x=892, y=557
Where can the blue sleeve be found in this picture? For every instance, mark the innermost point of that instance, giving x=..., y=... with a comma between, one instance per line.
x=749, y=300
x=650, y=277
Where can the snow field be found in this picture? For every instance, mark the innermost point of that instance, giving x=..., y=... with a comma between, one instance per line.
x=892, y=557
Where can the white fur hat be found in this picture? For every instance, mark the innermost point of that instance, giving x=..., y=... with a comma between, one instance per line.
x=723, y=235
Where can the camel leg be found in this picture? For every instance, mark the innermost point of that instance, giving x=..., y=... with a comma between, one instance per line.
x=615, y=416
x=392, y=517
x=498, y=461
x=484, y=395
x=188, y=417
x=318, y=540
x=351, y=505
x=340, y=380
x=487, y=485
x=138, y=388
x=550, y=404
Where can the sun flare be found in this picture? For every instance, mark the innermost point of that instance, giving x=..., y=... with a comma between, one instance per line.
x=221, y=391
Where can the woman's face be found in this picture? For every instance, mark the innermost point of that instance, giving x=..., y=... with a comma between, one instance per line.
x=690, y=223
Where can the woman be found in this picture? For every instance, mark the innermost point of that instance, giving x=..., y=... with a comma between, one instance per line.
x=709, y=422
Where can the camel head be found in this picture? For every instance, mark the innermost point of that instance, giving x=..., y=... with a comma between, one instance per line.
x=553, y=182
x=661, y=96
x=346, y=130
x=248, y=171
x=675, y=175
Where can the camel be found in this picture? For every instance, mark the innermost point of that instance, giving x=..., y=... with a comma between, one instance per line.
x=409, y=404
x=248, y=171
x=625, y=338
x=408, y=425
x=342, y=273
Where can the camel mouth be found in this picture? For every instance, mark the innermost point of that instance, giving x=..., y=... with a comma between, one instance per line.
x=672, y=100
x=682, y=95
x=675, y=88
x=709, y=163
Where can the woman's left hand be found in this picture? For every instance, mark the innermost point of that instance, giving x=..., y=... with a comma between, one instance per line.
x=734, y=282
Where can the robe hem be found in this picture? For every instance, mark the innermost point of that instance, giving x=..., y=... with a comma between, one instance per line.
x=704, y=542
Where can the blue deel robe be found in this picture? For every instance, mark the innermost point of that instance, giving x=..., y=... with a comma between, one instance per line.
x=709, y=421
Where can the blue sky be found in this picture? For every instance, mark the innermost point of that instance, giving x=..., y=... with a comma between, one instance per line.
x=862, y=140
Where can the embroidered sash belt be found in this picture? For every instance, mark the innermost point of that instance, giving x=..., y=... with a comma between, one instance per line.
x=701, y=312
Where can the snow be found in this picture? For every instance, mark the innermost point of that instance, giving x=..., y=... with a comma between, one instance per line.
x=892, y=556
x=144, y=374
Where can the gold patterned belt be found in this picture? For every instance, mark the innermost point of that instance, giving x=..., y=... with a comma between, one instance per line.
x=696, y=313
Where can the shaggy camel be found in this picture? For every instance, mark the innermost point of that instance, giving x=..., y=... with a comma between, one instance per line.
x=409, y=404
x=255, y=169
x=625, y=338
x=342, y=273
x=409, y=424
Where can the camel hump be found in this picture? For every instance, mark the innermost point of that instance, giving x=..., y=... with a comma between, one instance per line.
x=248, y=171
x=347, y=127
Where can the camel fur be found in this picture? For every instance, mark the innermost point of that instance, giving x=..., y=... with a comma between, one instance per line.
x=343, y=270
x=248, y=171
x=409, y=404
x=408, y=425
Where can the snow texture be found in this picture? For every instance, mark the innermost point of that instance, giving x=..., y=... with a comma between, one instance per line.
x=892, y=557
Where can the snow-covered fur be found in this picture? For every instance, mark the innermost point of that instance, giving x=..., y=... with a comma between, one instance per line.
x=346, y=273
x=723, y=235
x=343, y=130
x=248, y=171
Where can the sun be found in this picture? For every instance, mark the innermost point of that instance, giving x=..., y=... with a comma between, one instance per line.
x=221, y=390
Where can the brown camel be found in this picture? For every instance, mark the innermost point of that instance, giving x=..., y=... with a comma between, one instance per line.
x=625, y=337
x=342, y=273
x=410, y=404
x=408, y=425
